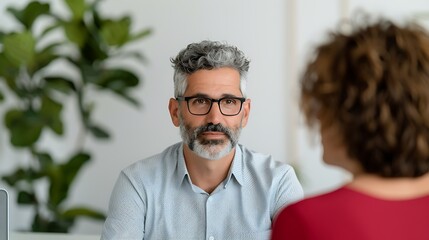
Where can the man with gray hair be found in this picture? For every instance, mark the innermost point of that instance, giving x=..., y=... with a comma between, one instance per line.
x=207, y=186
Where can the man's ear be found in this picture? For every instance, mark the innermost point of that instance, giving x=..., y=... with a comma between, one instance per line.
x=173, y=107
x=246, y=112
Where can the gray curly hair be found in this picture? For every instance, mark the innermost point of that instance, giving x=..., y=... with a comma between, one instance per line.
x=208, y=55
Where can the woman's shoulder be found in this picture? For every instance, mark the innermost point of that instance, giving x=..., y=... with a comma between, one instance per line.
x=330, y=197
x=321, y=204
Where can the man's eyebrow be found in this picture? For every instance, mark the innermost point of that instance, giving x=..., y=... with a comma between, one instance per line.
x=230, y=95
x=225, y=95
x=200, y=95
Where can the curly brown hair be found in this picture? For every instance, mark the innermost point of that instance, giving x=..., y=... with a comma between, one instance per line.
x=373, y=84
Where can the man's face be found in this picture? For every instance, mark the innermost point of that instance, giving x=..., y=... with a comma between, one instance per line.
x=214, y=135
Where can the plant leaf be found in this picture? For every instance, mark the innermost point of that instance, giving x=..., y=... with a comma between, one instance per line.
x=2, y=34
x=128, y=54
x=8, y=71
x=76, y=32
x=90, y=74
x=13, y=178
x=61, y=177
x=116, y=32
x=45, y=160
x=50, y=28
x=60, y=83
x=98, y=132
x=94, y=50
x=30, y=13
x=128, y=98
x=137, y=36
x=43, y=224
x=77, y=7
x=51, y=112
x=19, y=48
x=118, y=79
x=22, y=174
x=57, y=190
x=25, y=127
x=44, y=57
x=25, y=197
x=71, y=168
x=96, y=18
x=83, y=212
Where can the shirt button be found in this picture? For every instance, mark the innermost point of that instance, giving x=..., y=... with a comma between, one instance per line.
x=211, y=238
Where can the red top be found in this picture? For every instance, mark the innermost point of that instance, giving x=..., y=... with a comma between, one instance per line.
x=348, y=214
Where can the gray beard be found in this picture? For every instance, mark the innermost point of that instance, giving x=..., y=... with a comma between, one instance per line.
x=209, y=149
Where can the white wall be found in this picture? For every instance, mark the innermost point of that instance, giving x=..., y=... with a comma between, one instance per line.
x=277, y=35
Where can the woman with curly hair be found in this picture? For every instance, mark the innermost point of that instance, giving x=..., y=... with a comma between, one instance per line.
x=367, y=91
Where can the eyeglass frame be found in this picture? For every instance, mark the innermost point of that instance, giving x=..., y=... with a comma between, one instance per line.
x=241, y=99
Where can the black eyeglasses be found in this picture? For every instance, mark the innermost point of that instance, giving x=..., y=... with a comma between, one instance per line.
x=228, y=106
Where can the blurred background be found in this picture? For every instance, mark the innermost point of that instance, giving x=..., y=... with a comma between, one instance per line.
x=277, y=35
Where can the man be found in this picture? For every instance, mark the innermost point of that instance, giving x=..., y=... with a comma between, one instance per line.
x=208, y=186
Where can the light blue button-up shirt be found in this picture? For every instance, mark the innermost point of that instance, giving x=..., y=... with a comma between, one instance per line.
x=155, y=199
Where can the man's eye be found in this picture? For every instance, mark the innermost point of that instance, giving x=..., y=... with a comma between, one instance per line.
x=201, y=101
x=230, y=101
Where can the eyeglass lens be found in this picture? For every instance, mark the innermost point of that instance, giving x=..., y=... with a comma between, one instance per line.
x=202, y=106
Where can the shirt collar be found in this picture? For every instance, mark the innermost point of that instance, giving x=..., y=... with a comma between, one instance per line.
x=182, y=171
x=236, y=169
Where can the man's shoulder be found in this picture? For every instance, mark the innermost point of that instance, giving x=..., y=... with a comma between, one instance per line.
x=277, y=179
x=256, y=159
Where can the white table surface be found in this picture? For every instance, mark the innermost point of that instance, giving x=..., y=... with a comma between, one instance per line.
x=51, y=236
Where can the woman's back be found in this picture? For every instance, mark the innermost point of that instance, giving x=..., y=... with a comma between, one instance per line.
x=367, y=92
x=350, y=214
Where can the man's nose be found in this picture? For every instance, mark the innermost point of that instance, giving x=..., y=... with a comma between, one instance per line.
x=214, y=115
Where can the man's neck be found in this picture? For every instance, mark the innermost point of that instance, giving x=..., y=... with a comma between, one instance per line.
x=204, y=173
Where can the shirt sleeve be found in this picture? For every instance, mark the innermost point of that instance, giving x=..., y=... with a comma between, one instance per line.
x=127, y=211
x=289, y=190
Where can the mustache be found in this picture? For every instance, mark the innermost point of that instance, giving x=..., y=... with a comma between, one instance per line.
x=213, y=128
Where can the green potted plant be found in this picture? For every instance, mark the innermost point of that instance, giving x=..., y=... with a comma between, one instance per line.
x=85, y=43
